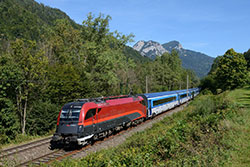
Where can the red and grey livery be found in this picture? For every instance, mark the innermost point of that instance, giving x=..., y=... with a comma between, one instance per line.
x=88, y=119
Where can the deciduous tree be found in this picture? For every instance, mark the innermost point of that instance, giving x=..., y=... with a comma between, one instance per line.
x=231, y=71
x=33, y=65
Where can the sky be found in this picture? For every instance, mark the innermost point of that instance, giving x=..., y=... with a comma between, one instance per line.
x=208, y=26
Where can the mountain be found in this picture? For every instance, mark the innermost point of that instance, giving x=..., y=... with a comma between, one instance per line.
x=198, y=62
x=28, y=19
x=172, y=45
x=131, y=53
x=149, y=49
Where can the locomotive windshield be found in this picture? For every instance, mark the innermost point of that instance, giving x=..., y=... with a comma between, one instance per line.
x=70, y=114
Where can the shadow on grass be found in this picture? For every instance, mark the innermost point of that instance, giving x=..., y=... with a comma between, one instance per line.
x=244, y=99
x=247, y=88
x=246, y=105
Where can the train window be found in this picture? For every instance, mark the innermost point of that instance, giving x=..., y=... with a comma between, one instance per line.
x=183, y=96
x=90, y=113
x=70, y=114
x=162, y=101
x=99, y=109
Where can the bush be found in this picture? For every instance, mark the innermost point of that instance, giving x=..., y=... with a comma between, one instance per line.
x=43, y=118
x=206, y=92
x=9, y=126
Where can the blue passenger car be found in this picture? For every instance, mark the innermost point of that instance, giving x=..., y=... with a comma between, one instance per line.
x=184, y=96
x=161, y=101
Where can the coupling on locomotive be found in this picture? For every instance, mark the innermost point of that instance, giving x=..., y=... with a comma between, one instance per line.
x=85, y=120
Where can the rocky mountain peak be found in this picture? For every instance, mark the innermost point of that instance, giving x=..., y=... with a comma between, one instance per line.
x=196, y=61
x=150, y=48
x=138, y=46
x=173, y=45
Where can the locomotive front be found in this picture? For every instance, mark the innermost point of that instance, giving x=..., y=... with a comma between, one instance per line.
x=69, y=123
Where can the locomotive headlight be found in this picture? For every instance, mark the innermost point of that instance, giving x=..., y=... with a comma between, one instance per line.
x=80, y=128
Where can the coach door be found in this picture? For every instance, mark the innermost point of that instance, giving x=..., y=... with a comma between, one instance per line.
x=179, y=99
x=150, y=108
x=94, y=119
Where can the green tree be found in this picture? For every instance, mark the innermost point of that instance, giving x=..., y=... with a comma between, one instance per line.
x=42, y=118
x=231, y=71
x=104, y=57
x=33, y=65
x=215, y=65
x=9, y=126
x=167, y=71
x=10, y=78
x=64, y=84
x=66, y=44
x=247, y=57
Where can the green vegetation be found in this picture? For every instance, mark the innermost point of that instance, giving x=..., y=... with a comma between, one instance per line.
x=135, y=55
x=212, y=131
x=196, y=61
x=28, y=19
x=238, y=136
x=47, y=60
x=228, y=72
x=247, y=57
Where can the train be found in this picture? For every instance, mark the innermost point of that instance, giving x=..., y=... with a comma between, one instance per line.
x=87, y=120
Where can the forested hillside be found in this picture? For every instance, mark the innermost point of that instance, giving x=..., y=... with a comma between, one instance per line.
x=28, y=19
x=198, y=62
x=47, y=60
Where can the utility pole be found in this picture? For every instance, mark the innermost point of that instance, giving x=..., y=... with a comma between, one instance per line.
x=187, y=84
x=146, y=84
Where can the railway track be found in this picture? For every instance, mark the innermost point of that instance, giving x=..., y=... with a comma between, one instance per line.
x=44, y=159
x=61, y=153
x=21, y=148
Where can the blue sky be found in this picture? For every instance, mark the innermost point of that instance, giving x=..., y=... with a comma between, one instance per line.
x=207, y=26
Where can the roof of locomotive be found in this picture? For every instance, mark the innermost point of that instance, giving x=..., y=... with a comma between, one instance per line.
x=111, y=100
x=73, y=105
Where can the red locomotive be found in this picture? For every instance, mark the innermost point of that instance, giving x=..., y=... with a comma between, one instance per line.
x=90, y=119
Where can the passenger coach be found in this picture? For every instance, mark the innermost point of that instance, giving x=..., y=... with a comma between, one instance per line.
x=162, y=101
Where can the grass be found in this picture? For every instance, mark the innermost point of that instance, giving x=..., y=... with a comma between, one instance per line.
x=239, y=135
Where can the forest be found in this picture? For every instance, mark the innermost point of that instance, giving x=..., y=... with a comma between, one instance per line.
x=47, y=60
